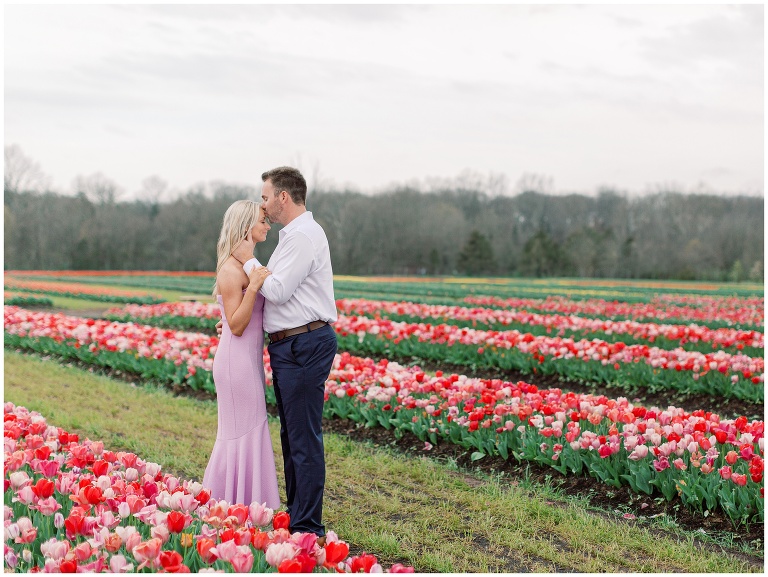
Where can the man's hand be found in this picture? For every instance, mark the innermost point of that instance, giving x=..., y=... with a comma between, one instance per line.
x=218, y=327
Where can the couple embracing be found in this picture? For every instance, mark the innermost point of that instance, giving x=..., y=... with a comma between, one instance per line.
x=291, y=299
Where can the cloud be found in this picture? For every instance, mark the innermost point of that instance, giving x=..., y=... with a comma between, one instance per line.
x=733, y=38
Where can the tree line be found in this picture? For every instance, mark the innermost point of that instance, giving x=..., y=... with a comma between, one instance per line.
x=449, y=230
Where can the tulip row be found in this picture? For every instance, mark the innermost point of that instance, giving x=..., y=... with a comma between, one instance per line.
x=613, y=440
x=74, y=506
x=614, y=364
x=745, y=312
x=168, y=356
x=79, y=290
x=24, y=300
x=564, y=325
x=595, y=361
x=109, y=273
x=201, y=283
x=652, y=450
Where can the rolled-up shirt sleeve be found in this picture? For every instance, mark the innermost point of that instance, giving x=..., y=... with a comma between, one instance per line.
x=295, y=263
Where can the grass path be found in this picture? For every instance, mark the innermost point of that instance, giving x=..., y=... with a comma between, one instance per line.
x=406, y=509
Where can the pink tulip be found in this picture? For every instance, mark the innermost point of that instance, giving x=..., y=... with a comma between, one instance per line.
x=242, y=561
x=725, y=472
x=19, y=479
x=183, y=502
x=304, y=541
x=667, y=449
x=739, y=479
x=27, y=532
x=630, y=442
x=638, y=453
x=11, y=560
x=118, y=564
x=47, y=468
x=276, y=553
x=163, y=500
x=160, y=532
x=48, y=506
x=661, y=464
x=83, y=551
x=25, y=495
x=54, y=549
x=260, y=514
x=225, y=550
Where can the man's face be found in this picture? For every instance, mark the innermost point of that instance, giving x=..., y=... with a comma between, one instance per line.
x=272, y=204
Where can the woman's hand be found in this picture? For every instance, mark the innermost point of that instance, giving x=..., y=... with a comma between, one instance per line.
x=257, y=277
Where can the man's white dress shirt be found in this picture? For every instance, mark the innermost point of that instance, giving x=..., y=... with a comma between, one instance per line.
x=300, y=288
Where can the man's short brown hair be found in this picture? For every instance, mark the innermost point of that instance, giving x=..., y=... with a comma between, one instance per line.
x=290, y=179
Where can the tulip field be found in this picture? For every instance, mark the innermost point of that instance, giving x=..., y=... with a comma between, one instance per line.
x=468, y=365
x=74, y=506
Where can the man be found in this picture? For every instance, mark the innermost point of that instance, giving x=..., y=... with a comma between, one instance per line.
x=298, y=310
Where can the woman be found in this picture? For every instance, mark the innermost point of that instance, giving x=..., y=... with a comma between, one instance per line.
x=242, y=466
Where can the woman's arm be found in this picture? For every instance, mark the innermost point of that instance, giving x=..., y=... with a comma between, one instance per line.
x=238, y=307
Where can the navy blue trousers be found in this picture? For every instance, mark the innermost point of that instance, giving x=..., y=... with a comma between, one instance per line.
x=300, y=366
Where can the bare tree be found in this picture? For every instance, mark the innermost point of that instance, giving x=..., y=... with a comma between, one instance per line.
x=153, y=188
x=98, y=188
x=532, y=182
x=22, y=173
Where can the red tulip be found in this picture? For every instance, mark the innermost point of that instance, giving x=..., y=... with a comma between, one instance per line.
x=308, y=562
x=281, y=520
x=171, y=561
x=290, y=566
x=362, y=563
x=94, y=495
x=100, y=468
x=721, y=436
x=43, y=453
x=176, y=521
x=43, y=488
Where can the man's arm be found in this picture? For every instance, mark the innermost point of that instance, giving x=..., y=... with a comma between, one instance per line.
x=293, y=266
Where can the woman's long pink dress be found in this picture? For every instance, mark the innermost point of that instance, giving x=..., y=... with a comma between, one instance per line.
x=242, y=465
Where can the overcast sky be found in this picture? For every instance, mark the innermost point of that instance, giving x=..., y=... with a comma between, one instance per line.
x=369, y=95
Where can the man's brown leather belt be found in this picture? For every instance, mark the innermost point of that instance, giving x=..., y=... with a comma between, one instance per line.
x=280, y=335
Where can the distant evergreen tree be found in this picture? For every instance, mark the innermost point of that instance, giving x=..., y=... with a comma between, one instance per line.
x=476, y=257
x=542, y=256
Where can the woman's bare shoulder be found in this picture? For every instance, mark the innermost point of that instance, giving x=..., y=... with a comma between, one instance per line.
x=231, y=274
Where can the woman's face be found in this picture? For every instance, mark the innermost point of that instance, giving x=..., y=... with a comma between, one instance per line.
x=260, y=229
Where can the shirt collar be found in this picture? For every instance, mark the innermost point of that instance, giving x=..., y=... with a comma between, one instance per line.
x=304, y=217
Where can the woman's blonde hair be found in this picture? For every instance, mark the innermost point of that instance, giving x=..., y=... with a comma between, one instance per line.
x=241, y=217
